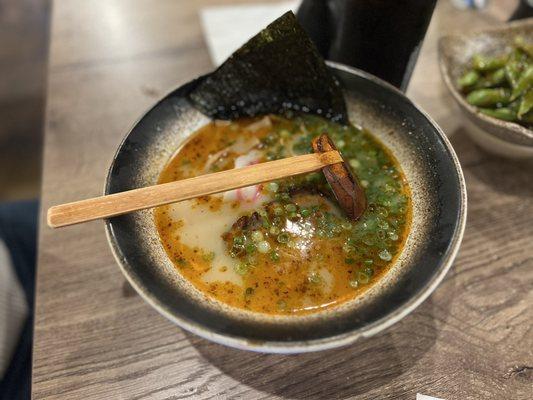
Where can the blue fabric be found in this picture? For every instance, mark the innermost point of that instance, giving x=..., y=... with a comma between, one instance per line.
x=18, y=230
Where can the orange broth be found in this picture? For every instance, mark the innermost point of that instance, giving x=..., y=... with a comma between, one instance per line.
x=283, y=247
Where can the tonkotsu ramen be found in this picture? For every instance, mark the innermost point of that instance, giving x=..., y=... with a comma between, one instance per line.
x=284, y=247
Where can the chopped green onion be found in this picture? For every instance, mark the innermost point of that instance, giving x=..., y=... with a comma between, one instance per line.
x=236, y=251
x=283, y=237
x=250, y=248
x=263, y=247
x=393, y=236
x=354, y=163
x=293, y=216
x=354, y=283
x=348, y=248
x=257, y=236
x=362, y=277
x=385, y=255
x=346, y=225
x=274, y=230
x=274, y=256
x=241, y=268
x=290, y=207
x=272, y=187
x=383, y=224
x=368, y=240
x=383, y=212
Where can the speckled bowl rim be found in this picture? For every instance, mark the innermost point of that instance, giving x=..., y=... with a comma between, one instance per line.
x=330, y=342
x=471, y=111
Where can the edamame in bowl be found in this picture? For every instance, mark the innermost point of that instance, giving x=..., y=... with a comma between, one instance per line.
x=502, y=86
x=490, y=76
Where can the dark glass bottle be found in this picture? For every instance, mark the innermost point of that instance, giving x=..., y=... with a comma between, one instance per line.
x=382, y=37
x=524, y=10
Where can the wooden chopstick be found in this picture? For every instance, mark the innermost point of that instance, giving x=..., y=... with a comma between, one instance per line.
x=157, y=195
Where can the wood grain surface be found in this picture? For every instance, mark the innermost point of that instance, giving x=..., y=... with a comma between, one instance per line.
x=96, y=339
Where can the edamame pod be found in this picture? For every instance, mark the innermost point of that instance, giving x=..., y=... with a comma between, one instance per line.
x=505, y=114
x=489, y=97
x=469, y=79
x=482, y=63
x=527, y=118
x=524, y=82
x=514, y=105
x=496, y=78
x=520, y=42
x=512, y=72
x=526, y=104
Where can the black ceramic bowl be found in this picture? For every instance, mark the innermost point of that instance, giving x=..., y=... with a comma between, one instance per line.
x=439, y=214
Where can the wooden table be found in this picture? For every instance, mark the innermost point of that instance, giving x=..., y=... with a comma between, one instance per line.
x=96, y=339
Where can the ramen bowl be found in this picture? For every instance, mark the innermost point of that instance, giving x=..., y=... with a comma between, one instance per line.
x=439, y=213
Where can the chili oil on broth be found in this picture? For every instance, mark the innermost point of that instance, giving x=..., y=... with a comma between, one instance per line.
x=283, y=247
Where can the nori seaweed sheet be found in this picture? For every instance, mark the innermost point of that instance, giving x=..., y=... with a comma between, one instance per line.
x=277, y=70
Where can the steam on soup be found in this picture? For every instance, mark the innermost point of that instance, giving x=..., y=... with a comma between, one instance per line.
x=283, y=247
